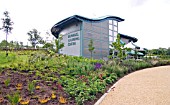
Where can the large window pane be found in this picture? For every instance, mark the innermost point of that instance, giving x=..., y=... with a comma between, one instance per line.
x=110, y=38
x=115, y=33
x=110, y=27
x=115, y=22
x=110, y=21
x=115, y=28
x=110, y=32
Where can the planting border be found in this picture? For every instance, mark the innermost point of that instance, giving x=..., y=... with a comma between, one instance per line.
x=114, y=85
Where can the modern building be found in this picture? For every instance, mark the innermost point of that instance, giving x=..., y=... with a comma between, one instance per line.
x=77, y=32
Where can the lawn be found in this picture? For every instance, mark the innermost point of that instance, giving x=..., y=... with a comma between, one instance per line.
x=44, y=77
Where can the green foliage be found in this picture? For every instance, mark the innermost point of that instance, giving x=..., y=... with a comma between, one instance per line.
x=3, y=44
x=5, y=60
x=7, y=82
x=7, y=23
x=31, y=87
x=161, y=53
x=77, y=75
x=48, y=45
x=58, y=43
x=91, y=47
x=14, y=98
x=136, y=65
x=35, y=38
x=7, y=26
x=120, y=48
x=11, y=44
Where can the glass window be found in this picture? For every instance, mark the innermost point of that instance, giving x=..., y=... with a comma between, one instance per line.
x=110, y=27
x=115, y=22
x=115, y=33
x=110, y=38
x=111, y=32
x=110, y=21
x=110, y=42
x=114, y=38
x=115, y=28
x=110, y=47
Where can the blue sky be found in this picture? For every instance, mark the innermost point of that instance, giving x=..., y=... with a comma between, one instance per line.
x=147, y=20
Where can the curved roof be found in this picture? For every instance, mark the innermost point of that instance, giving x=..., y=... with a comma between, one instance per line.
x=128, y=37
x=56, y=29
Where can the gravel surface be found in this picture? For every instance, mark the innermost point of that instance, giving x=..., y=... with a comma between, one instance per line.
x=145, y=87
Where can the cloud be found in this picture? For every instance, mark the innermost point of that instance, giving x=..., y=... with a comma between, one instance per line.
x=135, y=3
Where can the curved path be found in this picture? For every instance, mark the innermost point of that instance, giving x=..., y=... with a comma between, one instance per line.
x=145, y=87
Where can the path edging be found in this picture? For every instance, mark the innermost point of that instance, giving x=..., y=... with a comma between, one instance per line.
x=114, y=85
x=105, y=94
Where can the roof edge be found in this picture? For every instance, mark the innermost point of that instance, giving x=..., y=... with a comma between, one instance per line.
x=55, y=30
x=129, y=37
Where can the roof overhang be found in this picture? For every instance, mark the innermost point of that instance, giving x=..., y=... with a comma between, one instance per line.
x=128, y=37
x=58, y=27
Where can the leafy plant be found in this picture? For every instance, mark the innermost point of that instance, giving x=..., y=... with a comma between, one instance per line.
x=31, y=87
x=120, y=48
x=58, y=43
x=24, y=102
x=91, y=47
x=1, y=99
x=98, y=66
x=19, y=86
x=62, y=100
x=7, y=82
x=14, y=98
x=43, y=100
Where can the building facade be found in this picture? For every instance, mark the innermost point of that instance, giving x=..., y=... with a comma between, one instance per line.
x=77, y=31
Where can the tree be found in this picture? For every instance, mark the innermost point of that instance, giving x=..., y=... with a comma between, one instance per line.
x=16, y=44
x=168, y=51
x=35, y=38
x=49, y=42
x=59, y=44
x=7, y=26
x=91, y=47
x=48, y=45
x=120, y=48
x=11, y=44
x=3, y=44
x=21, y=44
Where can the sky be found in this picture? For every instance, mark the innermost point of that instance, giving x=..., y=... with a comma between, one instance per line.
x=147, y=20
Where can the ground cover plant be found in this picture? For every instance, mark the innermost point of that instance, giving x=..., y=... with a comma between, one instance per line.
x=44, y=77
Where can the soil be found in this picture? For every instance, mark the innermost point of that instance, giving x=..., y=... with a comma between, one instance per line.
x=24, y=78
x=46, y=88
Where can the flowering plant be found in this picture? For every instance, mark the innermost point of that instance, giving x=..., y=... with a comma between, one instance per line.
x=62, y=100
x=98, y=66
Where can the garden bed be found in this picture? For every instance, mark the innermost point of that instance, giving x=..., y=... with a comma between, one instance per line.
x=12, y=82
x=52, y=79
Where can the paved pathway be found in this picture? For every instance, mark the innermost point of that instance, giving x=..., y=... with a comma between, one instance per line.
x=145, y=87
